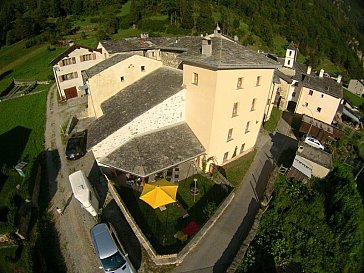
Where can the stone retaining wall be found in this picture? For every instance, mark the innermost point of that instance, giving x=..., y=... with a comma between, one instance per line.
x=171, y=258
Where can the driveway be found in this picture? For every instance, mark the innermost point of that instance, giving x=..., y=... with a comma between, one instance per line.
x=74, y=226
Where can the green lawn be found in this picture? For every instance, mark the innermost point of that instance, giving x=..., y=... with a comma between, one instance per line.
x=22, y=136
x=236, y=170
x=22, y=139
x=19, y=62
x=353, y=98
x=160, y=226
x=5, y=265
x=272, y=123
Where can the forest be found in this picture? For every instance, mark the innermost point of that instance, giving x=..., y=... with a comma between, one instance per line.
x=321, y=29
x=313, y=227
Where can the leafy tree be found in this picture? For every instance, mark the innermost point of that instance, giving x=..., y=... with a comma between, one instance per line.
x=205, y=23
x=319, y=225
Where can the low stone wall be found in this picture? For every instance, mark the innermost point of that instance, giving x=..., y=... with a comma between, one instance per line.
x=171, y=258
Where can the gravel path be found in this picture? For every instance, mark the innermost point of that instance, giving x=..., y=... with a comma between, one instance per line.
x=73, y=227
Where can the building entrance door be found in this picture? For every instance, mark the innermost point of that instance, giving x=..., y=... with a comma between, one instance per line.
x=70, y=92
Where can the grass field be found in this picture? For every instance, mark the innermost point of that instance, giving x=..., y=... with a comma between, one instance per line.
x=236, y=170
x=272, y=123
x=353, y=98
x=22, y=136
x=5, y=265
x=19, y=62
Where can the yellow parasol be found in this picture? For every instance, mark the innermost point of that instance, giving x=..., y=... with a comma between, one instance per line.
x=159, y=193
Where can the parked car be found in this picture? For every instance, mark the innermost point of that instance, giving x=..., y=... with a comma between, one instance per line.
x=108, y=250
x=314, y=142
x=76, y=145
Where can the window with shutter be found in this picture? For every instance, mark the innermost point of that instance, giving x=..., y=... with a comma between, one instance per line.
x=73, y=60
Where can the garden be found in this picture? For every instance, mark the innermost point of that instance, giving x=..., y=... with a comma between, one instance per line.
x=189, y=214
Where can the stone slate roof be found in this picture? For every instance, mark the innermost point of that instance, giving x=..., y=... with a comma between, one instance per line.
x=231, y=55
x=283, y=76
x=315, y=155
x=69, y=50
x=133, y=101
x=101, y=66
x=324, y=85
x=181, y=44
x=227, y=54
x=292, y=46
x=156, y=151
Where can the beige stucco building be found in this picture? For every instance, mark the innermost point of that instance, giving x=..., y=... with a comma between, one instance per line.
x=225, y=108
x=310, y=161
x=118, y=72
x=159, y=102
x=320, y=104
x=303, y=92
x=67, y=69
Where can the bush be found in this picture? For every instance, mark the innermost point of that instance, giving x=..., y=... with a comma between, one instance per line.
x=152, y=25
x=94, y=20
x=177, y=30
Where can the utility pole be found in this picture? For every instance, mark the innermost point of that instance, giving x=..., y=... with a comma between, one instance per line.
x=356, y=177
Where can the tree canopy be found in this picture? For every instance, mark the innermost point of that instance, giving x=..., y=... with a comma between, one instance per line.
x=321, y=28
x=319, y=226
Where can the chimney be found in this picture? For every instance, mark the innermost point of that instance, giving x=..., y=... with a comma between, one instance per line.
x=338, y=80
x=236, y=38
x=206, y=46
x=217, y=31
x=309, y=68
x=71, y=43
x=321, y=73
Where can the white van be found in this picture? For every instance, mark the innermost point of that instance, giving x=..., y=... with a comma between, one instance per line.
x=83, y=192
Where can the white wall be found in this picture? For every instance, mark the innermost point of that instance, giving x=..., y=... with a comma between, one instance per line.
x=77, y=67
x=169, y=112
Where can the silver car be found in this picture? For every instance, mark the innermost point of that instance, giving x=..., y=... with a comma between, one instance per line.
x=106, y=245
x=314, y=143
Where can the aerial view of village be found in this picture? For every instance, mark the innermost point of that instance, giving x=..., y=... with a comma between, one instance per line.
x=181, y=136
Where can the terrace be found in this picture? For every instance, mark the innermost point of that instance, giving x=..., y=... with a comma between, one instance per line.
x=170, y=227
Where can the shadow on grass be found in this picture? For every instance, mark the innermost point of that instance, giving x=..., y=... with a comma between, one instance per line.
x=13, y=143
x=4, y=74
